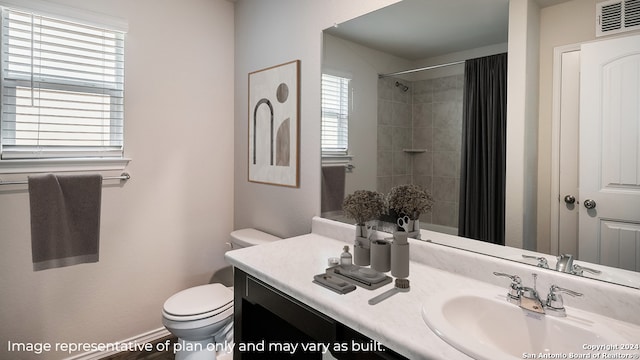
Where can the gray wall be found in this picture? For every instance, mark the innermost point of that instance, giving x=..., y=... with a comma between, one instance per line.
x=270, y=33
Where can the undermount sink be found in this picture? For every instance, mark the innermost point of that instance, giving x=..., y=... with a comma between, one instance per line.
x=483, y=325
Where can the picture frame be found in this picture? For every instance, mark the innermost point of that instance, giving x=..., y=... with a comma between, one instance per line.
x=274, y=123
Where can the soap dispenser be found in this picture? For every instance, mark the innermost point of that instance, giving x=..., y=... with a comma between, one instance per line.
x=346, y=260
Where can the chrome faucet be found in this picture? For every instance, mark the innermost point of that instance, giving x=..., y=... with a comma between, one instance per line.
x=529, y=299
x=565, y=263
x=523, y=296
x=555, y=304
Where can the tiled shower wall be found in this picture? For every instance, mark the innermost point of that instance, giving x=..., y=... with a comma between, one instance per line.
x=428, y=116
x=394, y=134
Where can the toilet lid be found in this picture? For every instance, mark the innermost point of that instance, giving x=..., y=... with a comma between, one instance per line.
x=199, y=300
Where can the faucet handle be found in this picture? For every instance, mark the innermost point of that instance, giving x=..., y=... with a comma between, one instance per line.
x=515, y=289
x=557, y=288
x=578, y=270
x=542, y=261
x=514, y=278
x=555, y=302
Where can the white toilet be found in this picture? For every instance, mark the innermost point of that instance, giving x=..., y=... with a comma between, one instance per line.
x=202, y=316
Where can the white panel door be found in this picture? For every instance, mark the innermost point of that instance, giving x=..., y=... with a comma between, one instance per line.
x=610, y=153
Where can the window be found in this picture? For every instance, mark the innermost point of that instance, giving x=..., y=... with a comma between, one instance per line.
x=335, y=115
x=62, y=89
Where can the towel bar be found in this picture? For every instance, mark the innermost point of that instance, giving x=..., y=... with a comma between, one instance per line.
x=124, y=176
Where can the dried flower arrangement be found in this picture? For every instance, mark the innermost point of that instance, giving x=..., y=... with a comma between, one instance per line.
x=363, y=205
x=410, y=200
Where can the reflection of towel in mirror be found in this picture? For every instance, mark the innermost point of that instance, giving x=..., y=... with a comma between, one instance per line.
x=65, y=219
x=333, y=178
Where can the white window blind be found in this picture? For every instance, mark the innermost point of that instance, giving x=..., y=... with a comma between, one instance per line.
x=335, y=114
x=62, y=89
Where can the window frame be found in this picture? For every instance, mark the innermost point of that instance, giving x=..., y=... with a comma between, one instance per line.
x=337, y=153
x=95, y=161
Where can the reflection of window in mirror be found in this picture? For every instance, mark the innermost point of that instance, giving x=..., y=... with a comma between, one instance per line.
x=335, y=115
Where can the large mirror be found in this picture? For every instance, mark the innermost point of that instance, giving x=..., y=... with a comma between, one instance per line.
x=404, y=126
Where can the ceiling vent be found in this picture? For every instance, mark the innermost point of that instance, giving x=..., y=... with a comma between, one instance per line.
x=616, y=16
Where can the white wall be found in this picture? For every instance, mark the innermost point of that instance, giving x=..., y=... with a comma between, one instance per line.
x=270, y=33
x=522, y=119
x=165, y=229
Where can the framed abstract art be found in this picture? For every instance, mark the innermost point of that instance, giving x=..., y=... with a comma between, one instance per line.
x=274, y=122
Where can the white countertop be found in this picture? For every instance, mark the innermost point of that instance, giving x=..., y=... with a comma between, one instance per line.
x=467, y=258
x=289, y=266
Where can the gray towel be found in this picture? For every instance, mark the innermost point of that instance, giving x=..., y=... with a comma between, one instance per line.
x=333, y=179
x=65, y=219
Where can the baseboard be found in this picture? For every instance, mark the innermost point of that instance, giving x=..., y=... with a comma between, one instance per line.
x=147, y=337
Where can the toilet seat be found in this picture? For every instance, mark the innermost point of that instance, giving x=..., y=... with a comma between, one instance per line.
x=199, y=302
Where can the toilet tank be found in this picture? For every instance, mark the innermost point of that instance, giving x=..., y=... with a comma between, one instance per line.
x=250, y=237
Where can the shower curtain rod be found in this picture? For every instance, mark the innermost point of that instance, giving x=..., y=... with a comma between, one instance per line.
x=380, y=76
x=124, y=176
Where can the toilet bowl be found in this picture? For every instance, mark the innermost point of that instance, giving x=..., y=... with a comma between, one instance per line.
x=201, y=317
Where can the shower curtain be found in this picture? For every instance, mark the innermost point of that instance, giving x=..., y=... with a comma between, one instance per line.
x=483, y=163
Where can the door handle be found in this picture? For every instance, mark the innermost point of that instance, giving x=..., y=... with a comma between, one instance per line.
x=590, y=204
x=569, y=199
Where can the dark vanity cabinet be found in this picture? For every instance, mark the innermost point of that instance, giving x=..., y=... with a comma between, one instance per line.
x=271, y=325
